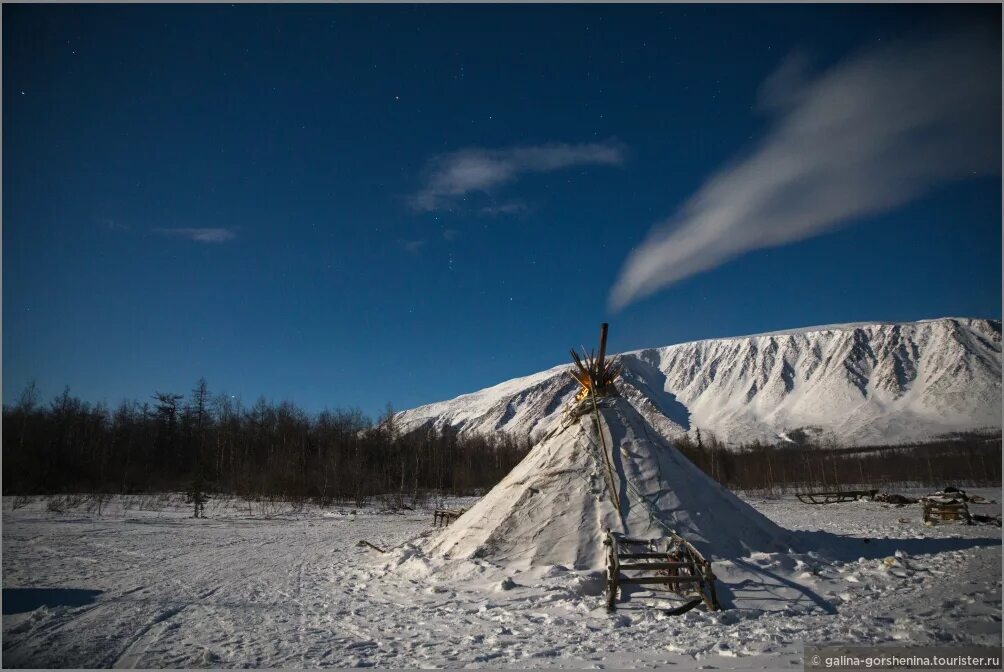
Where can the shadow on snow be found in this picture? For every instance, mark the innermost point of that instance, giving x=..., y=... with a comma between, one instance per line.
x=20, y=600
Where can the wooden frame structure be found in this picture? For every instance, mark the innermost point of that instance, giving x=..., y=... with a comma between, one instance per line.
x=679, y=567
x=833, y=497
x=443, y=517
x=944, y=510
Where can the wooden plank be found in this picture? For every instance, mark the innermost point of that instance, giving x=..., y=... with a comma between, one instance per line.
x=659, y=565
x=631, y=540
x=640, y=556
x=659, y=579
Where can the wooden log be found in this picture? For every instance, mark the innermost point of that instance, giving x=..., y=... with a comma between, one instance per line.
x=363, y=542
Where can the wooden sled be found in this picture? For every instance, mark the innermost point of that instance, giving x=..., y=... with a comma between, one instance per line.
x=892, y=498
x=678, y=567
x=443, y=517
x=835, y=496
x=944, y=510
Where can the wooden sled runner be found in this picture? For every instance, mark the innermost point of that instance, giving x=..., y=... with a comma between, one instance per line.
x=671, y=562
x=835, y=496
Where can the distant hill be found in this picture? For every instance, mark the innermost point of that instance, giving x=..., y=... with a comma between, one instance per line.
x=861, y=384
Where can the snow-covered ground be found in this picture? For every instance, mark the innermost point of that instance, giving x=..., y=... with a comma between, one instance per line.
x=144, y=585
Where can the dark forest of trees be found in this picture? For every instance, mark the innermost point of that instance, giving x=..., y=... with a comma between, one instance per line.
x=267, y=450
x=972, y=459
x=171, y=441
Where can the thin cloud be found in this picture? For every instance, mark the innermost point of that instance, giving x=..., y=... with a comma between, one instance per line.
x=219, y=235
x=450, y=177
x=113, y=225
x=870, y=134
x=512, y=208
x=780, y=90
x=414, y=247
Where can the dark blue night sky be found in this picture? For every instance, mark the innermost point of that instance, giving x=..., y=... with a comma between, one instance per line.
x=346, y=206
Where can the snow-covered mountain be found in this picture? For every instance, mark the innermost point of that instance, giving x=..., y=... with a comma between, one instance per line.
x=862, y=384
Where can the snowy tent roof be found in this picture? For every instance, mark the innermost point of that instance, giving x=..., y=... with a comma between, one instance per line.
x=555, y=505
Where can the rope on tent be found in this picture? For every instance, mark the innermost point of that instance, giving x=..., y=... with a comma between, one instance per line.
x=606, y=457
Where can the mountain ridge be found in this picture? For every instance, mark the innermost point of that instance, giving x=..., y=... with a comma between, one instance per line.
x=859, y=383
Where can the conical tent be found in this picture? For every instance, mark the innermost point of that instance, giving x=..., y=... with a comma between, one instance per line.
x=602, y=467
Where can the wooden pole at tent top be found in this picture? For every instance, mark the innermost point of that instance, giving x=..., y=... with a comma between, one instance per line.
x=603, y=346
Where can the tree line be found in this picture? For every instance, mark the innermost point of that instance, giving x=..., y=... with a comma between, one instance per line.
x=971, y=459
x=171, y=441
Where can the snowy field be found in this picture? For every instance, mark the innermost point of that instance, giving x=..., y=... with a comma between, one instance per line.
x=145, y=585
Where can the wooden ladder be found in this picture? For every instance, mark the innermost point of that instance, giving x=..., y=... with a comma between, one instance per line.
x=680, y=568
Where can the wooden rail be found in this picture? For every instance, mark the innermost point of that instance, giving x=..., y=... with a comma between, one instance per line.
x=443, y=517
x=680, y=568
x=834, y=496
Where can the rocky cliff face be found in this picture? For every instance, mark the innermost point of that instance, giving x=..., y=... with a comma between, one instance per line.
x=861, y=384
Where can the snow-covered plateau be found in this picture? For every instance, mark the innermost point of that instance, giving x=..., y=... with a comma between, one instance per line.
x=859, y=384
x=145, y=585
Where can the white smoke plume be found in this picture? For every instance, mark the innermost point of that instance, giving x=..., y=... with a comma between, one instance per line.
x=869, y=134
